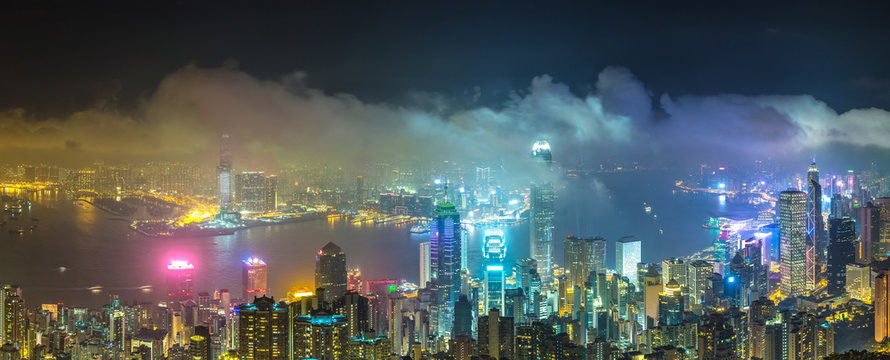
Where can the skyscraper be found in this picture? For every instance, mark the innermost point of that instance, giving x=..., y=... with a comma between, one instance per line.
x=250, y=191
x=12, y=317
x=180, y=280
x=541, y=198
x=262, y=330
x=330, y=271
x=841, y=251
x=882, y=305
x=697, y=274
x=882, y=227
x=496, y=336
x=670, y=304
x=792, y=229
x=445, y=245
x=424, y=264
x=253, y=278
x=224, y=175
x=816, y=243
x=673, y=269
x=356, y=310
x=599, y=255
x=628, y=253
x=494, y=254
x=579, y=260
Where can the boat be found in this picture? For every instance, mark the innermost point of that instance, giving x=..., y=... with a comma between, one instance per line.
x=418, y=229
x=17, y=231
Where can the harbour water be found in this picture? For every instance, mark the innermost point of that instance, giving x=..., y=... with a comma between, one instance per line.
x=82, y=255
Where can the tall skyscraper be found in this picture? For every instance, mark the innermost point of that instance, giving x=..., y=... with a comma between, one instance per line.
x=841, y=251
x=882, y=305
x=356, y=309
x=882, y=227
x=869, y=231
x=224, y=176
x=445, y=247
x=816, y=243
x=180, y=280
x=599, y=255
x=541, y=200
x=579, y=260
x=698, y=273
x=494, y=254
x=628, y=253
x=425, y=265
x=330, y=271
x=13, y=324
x=262, y=330
x=253, y=278
x=792, y=229
x=270, y=194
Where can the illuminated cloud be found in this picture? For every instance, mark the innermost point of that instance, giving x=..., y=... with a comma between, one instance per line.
x=281, y=122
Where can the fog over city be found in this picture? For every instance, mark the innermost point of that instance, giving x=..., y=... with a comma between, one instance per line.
x=286, y=121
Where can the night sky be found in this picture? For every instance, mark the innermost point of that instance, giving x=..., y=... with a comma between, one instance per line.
x=85, y=81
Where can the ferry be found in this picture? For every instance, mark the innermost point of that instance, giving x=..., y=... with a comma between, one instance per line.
x=419, y=229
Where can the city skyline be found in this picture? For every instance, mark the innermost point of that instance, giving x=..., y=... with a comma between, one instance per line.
x=456, y=181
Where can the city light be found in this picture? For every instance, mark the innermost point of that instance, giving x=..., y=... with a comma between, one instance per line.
x=179, y=265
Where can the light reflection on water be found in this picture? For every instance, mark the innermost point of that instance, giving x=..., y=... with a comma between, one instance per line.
x=97, y=251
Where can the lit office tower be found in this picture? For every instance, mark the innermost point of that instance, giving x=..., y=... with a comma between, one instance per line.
x=13, y=324
x=673, y=269
x=262, y=330
x=424, y=264
x=445, y=246
x=815, y=226
x=859, y=282
x=253, y=278
x=578, y=256
x=541, y=197
x=882, y=305
x=841, y=251
x=330, y=271
x=628, y=253
x=541, y=200
x=792, y=229
x=599, y=255
x=698, y=274
x=494, y=253
x=180, y=280
x=224, y=176
x=250, y=191
x=670, y=304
